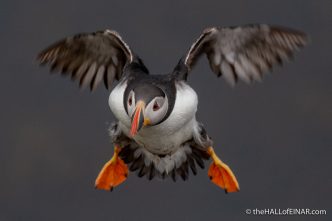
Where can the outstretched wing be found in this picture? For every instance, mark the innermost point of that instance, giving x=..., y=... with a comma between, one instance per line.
x=89, y=58
x=245, y=52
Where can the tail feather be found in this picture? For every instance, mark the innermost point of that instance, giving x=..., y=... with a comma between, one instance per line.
x=162, y=166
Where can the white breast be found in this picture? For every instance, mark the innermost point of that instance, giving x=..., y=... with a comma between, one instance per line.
x=168, y=136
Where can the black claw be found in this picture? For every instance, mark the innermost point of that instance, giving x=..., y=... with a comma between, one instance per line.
x=111, y=189
x=210, y=177
x=226, y=191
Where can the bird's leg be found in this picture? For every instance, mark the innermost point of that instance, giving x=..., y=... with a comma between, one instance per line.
x=221, y=175
x=114, y=172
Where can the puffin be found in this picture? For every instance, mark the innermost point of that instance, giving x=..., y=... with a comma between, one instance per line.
x=156, y=132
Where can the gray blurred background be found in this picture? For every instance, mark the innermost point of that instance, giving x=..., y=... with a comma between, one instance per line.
x=276, y=136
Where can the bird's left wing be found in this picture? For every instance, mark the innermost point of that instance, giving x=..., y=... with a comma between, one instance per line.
x=89, y=58
x=245, y=52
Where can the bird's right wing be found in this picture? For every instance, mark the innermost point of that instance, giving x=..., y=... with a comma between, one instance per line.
x=245, y=52
x=89, y=58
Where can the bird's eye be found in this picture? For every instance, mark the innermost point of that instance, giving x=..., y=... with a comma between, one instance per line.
x=155, y=106
x=130, y=101
x=156, y=110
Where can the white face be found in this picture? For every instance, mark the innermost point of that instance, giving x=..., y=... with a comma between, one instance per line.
x=131, y=103
x=154, y=111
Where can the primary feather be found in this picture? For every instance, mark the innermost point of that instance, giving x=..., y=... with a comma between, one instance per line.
x=245, y=52
x=89, y=58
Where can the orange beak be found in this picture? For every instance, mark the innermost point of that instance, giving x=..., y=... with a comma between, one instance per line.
x=137, y=120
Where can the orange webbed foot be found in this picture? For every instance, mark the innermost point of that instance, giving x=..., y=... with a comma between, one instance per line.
x=221, y=175
x=114, y=172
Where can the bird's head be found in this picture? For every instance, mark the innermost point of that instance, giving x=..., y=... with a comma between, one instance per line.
x=146, y=105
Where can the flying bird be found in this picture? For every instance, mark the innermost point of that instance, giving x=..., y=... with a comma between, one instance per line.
x=157, y=133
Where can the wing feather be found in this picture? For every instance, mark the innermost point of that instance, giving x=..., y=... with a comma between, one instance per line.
x=228, y=73
x=109, y=76
x=89, y=58
x=98, y=77
x=245, y=52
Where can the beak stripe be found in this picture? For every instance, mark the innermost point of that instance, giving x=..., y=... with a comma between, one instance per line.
x=136, y=119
